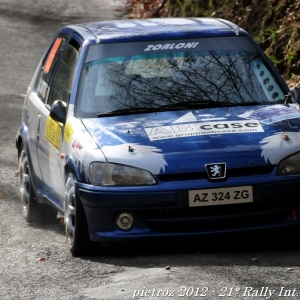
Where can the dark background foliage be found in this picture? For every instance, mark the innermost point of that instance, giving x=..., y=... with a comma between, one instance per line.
x=274, y=24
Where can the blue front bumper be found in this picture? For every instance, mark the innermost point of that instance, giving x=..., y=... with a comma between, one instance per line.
x=163, y=210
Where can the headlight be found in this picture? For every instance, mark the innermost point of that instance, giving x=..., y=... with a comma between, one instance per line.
x=290, y=165
x=113, y=174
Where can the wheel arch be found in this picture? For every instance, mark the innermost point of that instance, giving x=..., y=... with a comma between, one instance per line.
x=21, y=138
x=72, y=167
x=19, y=141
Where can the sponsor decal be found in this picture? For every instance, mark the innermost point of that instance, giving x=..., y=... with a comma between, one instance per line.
x=68, y=133
x=77, y=146
x=187, y=118
x=205, y=128
x=281, y=118
x=43, y=88
x=273, y=114
x=171, y=46
x=53, y=132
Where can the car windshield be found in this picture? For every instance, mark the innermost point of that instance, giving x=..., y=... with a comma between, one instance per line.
x=156, y=79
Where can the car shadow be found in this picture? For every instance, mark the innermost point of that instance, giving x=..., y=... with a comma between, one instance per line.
x=255, y=249
x=54, y=225
x=245, y=250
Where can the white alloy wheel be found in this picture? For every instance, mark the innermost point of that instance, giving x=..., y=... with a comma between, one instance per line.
x=69, y=208
x=31, y=209
x=76, y=229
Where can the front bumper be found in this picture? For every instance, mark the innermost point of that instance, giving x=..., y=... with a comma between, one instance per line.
x=163, y=210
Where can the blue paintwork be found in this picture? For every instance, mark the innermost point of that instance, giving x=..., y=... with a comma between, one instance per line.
x=107, y=139
x=74, y=168
x=156, y=29
x=237, y=150
x=191, y=152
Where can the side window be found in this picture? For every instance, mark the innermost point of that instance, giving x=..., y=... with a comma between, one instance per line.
x=43, y=80
x=63, y=79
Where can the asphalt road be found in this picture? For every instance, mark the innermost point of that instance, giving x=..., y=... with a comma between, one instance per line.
x=34, y=263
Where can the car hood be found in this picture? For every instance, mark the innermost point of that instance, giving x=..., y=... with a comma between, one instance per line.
x=185, y=141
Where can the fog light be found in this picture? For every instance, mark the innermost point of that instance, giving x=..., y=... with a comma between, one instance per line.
x=124, y=221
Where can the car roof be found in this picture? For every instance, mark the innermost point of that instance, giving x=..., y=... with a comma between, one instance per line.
x=156, y=29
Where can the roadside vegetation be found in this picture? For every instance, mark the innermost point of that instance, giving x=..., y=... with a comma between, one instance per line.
x=274, y=24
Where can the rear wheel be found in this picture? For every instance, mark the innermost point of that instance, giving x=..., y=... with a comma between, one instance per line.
x=76, y=229
x=31, y=209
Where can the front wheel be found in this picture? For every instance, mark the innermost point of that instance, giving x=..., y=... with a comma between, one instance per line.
x=76, y=228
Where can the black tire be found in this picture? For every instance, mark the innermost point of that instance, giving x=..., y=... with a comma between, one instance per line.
x=32, y=211
x=76, y=228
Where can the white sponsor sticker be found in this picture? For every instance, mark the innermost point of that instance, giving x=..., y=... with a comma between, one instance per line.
x=187, y=118
x=43, y=88
x=204, y=128
x=171, y=46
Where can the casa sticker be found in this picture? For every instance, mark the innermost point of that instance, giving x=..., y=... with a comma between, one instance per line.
x=77, y=147
x=68, y=133
x=279, y=118
x=275, y=113
x=204, y=128
x=53, y=132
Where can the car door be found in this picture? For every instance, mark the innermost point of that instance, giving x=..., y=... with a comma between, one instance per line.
x=45, y=74
x=34, y=104
x=50, y=131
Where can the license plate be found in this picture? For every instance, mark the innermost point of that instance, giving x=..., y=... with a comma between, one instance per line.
x=232, y=195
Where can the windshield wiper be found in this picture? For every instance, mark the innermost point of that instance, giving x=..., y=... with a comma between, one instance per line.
x=176, y=106
x=197, y=104
x=124, y=111
x=140, y=110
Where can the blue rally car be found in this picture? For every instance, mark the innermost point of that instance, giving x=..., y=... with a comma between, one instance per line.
x=159, y=128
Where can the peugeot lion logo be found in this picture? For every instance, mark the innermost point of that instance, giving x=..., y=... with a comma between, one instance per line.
x=216, y=171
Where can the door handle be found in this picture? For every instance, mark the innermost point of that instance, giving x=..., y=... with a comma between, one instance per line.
x=38, y=126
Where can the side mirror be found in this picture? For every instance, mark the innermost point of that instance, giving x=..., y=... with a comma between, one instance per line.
x=295, y=92
x=58, y=111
